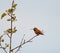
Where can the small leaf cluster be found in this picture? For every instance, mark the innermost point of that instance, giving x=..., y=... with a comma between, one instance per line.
x=8, y=31
x=10, y=12
x=12, y=18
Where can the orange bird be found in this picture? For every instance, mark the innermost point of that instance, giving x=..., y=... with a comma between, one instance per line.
x=37, y=31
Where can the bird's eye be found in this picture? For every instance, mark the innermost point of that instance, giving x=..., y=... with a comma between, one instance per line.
x=34, y=29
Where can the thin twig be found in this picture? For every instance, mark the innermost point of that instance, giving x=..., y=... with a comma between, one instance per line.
x=11, y=35
x=3, y=48
x=24, y=43
x=8, y=35
x=20, y=44
x=22, y=39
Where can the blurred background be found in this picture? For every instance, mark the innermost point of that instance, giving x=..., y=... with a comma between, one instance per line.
x=43, y=14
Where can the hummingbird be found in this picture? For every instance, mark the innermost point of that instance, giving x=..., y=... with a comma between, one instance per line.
x=37, y=31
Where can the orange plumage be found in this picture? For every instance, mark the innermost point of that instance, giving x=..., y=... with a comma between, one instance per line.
x=37, y=31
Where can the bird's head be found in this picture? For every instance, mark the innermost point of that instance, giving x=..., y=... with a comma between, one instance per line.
x=34, y=28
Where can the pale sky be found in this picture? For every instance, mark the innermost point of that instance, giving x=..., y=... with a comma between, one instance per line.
x=43, y=14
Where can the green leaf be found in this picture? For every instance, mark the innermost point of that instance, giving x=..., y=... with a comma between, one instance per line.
x=2, y=40
x=9, y=30
x=14, y=31
x=3, y=15
x=8, y=19
x=13, y=19
x=7, y=45
x=10, y=10
x=14, y=5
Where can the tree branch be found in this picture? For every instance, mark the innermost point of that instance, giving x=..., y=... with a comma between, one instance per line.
x=8, y=35
x=20, y=44
x=3, y=49
x=11, y=35
x=24, y=43
x=11, y=29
